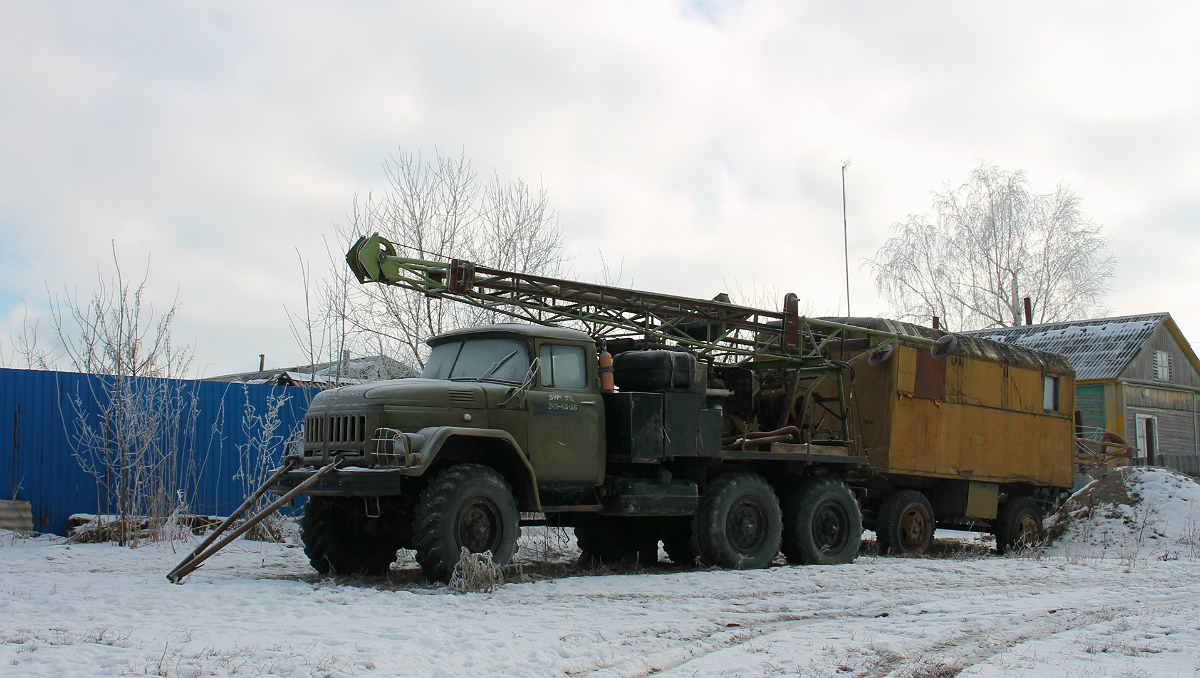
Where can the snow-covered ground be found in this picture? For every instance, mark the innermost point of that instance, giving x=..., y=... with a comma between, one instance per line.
x=1125, y=605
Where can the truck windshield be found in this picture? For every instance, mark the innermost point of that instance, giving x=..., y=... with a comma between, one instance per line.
x=493, y=359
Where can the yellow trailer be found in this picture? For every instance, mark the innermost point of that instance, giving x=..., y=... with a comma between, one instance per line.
x=978, y=437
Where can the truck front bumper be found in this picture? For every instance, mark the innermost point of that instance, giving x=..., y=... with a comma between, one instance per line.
x=347, y=482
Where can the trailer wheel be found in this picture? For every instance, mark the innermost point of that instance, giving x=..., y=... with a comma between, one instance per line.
x=339, y=538
x=739, y=522
x=822, y=524
x=470, y=506
x=905, y=524
x=615, y=541
x=1018, y=525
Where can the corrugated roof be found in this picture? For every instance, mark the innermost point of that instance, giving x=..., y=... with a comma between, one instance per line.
x=978, y=347
x=1098, y=349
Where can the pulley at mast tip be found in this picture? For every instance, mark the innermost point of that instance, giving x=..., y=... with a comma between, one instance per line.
x=366, y=256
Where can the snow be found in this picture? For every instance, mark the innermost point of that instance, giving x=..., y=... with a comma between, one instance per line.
x=1123, y=608
x=1158, y=519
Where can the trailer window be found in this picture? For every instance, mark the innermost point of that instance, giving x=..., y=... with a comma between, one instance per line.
x=1050, y=393
x=563, y=366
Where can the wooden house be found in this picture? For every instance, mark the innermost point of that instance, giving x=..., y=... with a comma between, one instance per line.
x=1136, y=376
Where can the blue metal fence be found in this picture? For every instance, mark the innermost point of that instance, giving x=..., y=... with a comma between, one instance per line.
x=38, y=415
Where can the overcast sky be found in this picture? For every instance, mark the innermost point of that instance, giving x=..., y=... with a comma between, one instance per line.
x=700, y=143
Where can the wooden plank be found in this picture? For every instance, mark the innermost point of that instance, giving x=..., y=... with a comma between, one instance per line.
x=16, y=516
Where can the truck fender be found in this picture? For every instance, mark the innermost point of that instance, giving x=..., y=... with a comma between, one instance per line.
x=446, y=445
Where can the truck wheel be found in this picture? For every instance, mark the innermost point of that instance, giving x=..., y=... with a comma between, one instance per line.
x=614, y=541
x=1018, y=525
x=822, y=524
x=466, y=505
x=679, y=542
x=739, y=522
x=339, y=538
x=905, y=524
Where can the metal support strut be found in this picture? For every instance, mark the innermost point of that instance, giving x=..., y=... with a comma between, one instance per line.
x=204, y=551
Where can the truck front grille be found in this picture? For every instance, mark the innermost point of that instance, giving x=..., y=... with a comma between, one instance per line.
x=347, y=428
x=314, y=429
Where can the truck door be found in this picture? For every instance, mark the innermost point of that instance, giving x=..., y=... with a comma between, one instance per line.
x=566, y=416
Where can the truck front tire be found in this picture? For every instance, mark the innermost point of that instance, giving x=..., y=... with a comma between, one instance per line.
x=822, y=523
x=339, y=538
x=739, y=522
x=1018, y=525
x=468, y=505
x=905, y=524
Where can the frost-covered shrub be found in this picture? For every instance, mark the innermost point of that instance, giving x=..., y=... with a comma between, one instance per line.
x=476, y=573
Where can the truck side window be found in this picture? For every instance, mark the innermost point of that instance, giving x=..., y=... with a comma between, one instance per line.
x=546, y=366
x=563, y=366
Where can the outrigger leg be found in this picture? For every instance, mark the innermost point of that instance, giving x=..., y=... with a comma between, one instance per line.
x=203, y=552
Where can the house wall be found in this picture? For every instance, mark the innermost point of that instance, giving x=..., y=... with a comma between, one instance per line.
x=1176, y=419
x=1173, y=404
x=1089, y=401
x=1141, y=368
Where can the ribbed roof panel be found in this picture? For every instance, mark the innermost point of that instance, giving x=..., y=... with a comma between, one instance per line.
x=1097, y=349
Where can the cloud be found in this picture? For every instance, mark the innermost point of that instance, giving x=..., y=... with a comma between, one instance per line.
x=699, y=142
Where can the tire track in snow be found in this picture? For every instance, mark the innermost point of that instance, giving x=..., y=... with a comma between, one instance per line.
x=978, y=645
x=966, y=650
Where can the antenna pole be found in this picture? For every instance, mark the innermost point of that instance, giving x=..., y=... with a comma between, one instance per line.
x=846, y=237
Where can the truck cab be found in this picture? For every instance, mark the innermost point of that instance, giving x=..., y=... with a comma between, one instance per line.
x=538, y=386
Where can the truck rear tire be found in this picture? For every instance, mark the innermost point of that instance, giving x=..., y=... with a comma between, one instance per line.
x=739, y=522
x=905, y=524
x=468, y=505
x=1018, y=525
x=822, y=524
x=339, y=538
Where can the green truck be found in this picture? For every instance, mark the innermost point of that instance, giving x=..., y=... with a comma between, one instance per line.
x=508, y=419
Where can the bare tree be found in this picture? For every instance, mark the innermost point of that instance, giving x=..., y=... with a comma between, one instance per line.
x=994, y=242
x=134, y=431
x=432, y=209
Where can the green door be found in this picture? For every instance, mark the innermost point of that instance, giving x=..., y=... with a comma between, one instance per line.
x=566, y=417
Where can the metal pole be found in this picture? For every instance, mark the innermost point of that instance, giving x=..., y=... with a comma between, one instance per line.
x=189, y=565
x=287, y=466
x=846, y=237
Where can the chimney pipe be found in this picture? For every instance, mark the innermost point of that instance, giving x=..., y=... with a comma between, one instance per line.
x=262, y=362
x=1028, y=311
x=935, y=323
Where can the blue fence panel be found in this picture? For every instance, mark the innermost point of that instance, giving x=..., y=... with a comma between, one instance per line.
x=39, y=415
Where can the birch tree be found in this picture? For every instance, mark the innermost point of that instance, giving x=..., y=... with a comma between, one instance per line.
x=992, y=242
x=432, y=209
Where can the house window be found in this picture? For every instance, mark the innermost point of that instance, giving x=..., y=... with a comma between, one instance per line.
x=1162, y=366
x=1050, y=393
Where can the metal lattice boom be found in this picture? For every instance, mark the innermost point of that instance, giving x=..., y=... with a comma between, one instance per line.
x=718, y=329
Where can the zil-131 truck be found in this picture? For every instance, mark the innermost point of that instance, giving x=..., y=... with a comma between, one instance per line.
x=727, y=433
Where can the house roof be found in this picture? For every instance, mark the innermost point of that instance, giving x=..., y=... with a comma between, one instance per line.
x=321, y=375
x=1098, y=349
